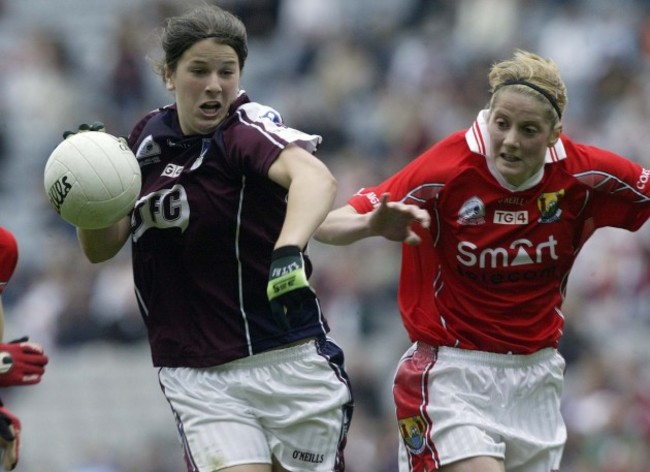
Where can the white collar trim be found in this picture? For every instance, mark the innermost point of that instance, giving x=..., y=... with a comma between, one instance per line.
x=478, y=140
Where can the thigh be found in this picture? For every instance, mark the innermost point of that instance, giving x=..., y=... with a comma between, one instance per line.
x=443, y=415
x=291, y=406
x=475, y=464
x=217, y=429
x=307, y=425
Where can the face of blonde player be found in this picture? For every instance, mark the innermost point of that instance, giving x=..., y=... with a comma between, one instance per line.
x=206, y=82
x=520, y=133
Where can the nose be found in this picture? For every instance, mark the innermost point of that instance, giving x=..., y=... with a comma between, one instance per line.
x=213, y=84
x=511, y=138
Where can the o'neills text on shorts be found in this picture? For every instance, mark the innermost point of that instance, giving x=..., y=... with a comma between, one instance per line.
x=310, y=457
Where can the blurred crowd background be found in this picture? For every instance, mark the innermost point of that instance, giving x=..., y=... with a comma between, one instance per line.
x=381, y=80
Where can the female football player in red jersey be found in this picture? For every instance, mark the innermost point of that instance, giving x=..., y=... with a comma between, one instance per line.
x=21, y=362
x=492, y=219
x=230, y=197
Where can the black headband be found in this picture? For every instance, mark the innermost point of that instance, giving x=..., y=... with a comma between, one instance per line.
x=548, y=96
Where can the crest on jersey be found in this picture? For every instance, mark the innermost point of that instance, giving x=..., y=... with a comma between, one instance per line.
x=148, y=151
x=413, y=433
x=549, y=206
x=472, y=212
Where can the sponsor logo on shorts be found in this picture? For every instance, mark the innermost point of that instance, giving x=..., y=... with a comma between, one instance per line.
x=412, y=431
x=311, y=457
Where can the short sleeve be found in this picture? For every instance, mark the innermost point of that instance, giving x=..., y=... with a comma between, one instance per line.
x=8, y=256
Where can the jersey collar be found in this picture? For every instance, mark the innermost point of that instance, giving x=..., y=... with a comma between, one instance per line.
x=478, y=140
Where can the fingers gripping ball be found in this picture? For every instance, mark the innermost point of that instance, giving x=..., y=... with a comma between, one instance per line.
x=92, y=179
x=288, y=287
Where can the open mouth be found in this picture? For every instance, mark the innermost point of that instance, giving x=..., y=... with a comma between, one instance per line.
x=211, y=108
x=509, y=158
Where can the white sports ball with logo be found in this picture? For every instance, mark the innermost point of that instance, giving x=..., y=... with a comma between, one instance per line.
x=92, y=179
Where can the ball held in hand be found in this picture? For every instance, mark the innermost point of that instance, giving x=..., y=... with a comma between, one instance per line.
x=92, y=179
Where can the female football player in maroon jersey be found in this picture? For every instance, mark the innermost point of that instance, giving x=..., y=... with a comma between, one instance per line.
x=492, y=219
x=230, y=197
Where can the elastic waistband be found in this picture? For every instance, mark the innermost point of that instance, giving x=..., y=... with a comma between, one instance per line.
x=274, y=356
x=488, y=358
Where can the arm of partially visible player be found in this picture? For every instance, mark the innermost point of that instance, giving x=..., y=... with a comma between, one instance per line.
x=390, y=220
x=99, y=245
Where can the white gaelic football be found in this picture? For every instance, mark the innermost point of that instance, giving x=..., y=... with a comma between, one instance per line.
x=92, y=179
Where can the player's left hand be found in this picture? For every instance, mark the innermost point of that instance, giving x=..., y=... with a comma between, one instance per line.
x=394, y=220
x=21, y=363
x=9, y=438
x=288, y=287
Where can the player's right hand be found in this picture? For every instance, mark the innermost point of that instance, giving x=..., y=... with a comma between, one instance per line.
x=9, y=438
x=21, y=363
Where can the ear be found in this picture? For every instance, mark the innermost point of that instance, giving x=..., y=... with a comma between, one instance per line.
x=169, y=80
x=555, y=135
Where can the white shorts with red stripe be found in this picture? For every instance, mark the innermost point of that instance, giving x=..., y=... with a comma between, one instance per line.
x=294, y=404
x=453, y=404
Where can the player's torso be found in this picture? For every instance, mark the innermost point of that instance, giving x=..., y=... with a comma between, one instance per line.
x=506, y=256
x=204, y=229
x=203, y=232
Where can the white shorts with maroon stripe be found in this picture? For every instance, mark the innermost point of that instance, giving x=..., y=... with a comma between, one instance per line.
x=453, y=404
x=293, y=403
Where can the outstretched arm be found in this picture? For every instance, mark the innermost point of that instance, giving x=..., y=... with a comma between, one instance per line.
x=391, y=220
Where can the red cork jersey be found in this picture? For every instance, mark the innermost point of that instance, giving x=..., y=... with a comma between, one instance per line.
x=492, y=270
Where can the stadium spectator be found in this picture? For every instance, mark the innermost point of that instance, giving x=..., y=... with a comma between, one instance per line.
x=491, y=219
x=230, y=198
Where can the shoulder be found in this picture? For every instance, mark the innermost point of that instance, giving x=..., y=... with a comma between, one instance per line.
x=162, y=117
x=253, y=122
x=8, y=242
x=450, y=153
x=8, y=256
x=256, y=112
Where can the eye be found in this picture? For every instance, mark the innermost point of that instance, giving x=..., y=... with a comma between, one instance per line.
x=501, y=124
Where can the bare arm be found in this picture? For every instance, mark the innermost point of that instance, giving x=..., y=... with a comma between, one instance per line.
x=391, y=220
x=99, y=245
x=312, y=189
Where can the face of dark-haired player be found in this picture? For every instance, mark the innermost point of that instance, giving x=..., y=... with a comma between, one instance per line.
x=205, y=82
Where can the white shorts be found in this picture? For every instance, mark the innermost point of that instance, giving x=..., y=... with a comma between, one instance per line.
x=294, y=404
x=453, y=404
